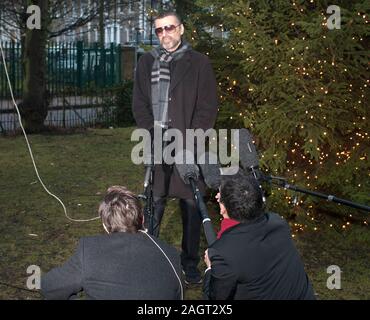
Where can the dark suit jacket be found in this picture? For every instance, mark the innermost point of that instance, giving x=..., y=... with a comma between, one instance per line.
x=192, y=105
x=116, y=266
x=257, y=260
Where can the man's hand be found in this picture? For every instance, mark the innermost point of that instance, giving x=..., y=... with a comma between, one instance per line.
x=206, y=259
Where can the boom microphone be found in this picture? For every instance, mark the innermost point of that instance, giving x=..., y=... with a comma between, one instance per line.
x=210, y=169
x=189, y=173
x=149, y=162
x=186, y=167
x=248, y=156
x=249, y=161
x=148, y=171
x=247, y=151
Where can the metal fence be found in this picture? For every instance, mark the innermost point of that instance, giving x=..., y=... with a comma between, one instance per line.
x=76, y=65
x=80, y=80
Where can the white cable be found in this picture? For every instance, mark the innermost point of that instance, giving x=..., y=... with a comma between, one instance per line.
x=174, y=270
x=29, y=147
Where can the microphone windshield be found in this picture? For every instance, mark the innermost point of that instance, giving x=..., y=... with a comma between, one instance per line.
x=187, y=169
x=210, y=169
x=247, y=151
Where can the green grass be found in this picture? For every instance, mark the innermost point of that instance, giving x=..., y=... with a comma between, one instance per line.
x=78, y=168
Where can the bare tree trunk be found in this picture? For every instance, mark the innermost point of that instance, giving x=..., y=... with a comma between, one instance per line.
x=34, y=106
x=101, y=24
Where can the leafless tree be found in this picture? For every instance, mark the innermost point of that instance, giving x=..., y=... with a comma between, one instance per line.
x=57, y=18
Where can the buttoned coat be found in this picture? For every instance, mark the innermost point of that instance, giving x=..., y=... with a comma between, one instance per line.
x=192, y=104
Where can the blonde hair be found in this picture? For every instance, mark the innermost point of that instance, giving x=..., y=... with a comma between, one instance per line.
x=121, y=210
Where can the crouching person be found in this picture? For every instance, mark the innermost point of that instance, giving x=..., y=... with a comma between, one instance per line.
x=125, y=263
x=254, y=256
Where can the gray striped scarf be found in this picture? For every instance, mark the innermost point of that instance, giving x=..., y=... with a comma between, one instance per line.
x=160, y=81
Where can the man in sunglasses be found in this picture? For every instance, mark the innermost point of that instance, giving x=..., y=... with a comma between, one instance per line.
x=175, y=87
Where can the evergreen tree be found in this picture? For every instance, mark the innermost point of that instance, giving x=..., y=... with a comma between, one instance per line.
x=300, y=86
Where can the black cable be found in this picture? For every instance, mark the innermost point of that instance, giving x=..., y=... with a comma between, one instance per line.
x=282, y=182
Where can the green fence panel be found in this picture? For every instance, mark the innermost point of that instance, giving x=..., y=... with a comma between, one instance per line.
x=69, y=65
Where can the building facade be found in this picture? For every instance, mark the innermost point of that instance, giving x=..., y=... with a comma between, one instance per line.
x=125, y=22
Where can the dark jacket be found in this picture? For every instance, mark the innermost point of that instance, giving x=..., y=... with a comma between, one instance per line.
x=257, y=261
x=192, y=105
x=116, y=266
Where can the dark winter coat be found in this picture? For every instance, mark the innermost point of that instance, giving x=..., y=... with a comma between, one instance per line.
x=121, y=265
x=192, y=104
x=257, y=261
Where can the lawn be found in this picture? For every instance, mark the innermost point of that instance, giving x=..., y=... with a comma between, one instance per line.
x=78, y=167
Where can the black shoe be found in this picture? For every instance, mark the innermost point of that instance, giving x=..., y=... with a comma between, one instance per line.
x=192, y=276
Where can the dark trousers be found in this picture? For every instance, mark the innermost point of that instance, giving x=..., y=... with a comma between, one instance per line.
x=191, y=227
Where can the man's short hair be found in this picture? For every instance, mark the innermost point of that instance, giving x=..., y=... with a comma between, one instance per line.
x=121, y=210
x=164, y=14
x=241, y=196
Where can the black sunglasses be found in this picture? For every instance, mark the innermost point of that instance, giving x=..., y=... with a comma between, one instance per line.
x=169, y=29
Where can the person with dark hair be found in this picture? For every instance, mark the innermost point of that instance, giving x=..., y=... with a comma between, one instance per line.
x=126, y=263
x=254, y=257
x=175, y=87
